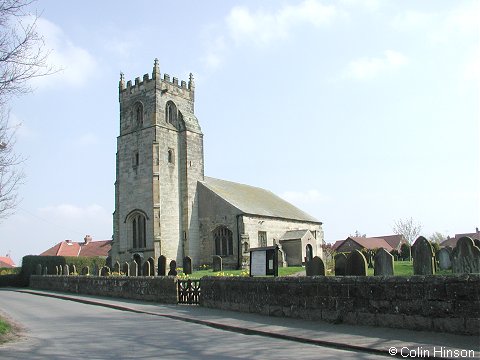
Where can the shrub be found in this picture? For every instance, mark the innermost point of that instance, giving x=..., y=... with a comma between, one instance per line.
x=30, y=262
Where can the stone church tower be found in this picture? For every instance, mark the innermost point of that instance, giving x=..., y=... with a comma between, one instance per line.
x=158, y=164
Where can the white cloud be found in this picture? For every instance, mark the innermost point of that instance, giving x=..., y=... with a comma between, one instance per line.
x=370, y=5
x=262, y=27
x=75, y=64
x=305, y=197
x=369, y=67
x=439, y=27
x=245, y=27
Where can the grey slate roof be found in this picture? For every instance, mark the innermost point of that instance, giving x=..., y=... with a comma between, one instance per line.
x=256, y=201
x=293, y=234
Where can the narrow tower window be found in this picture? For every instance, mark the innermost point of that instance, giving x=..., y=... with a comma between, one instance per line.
x=139, y=226
x=138, y=115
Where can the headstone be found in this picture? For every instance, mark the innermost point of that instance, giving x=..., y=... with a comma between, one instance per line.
x=423, y=257
x=316, y=267
x=74, y=270
x=133, y=268
x=117, y=268
x=60, y=270
x=187, y=265
x=217, y=263
x=57, y=271
x=356, y=264
x=444, y=259
x=39, y=269
x=105, y=271
x=126, y=269
x=66, y=270
x=466, y=257
x=45, y=270
x=85, y=270
x=146, y=268
x=162, y=265
x=151, y=261
x=173, y=268
x=340, y=264
x=383, y=263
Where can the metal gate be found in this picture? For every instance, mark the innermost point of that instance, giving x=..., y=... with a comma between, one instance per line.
x=189, y=292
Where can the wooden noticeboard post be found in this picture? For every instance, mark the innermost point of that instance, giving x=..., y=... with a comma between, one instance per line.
x=264, y=261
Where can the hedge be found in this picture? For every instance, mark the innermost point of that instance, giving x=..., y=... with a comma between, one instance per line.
x=30, y=262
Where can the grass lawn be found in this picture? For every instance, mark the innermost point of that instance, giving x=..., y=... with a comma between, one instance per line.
x=405, y=268
x=400, y=268
x=281, y=272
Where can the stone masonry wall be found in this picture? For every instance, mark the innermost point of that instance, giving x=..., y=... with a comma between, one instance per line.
x=158, y=289
x=432, y=303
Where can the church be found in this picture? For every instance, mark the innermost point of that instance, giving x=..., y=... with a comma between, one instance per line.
x=165, y=205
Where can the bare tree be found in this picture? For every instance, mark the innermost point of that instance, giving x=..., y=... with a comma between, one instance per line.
x=22, y=50
x=22, y=58
x=11, y=174
x=408, y=228
x=437, y=237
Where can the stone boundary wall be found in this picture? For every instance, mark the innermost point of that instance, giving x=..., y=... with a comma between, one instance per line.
x=162, y=289
x=430, y=302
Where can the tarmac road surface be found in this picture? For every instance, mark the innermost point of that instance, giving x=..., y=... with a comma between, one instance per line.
x=61, y=329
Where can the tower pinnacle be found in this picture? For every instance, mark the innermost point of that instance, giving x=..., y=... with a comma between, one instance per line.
x=156, y=70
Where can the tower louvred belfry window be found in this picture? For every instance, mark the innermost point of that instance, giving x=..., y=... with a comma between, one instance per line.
x=171, y=113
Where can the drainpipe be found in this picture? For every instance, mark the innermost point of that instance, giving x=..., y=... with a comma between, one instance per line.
x=239, y=247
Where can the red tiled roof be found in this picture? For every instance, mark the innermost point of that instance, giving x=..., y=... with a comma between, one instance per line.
x=372, y=243
x=452, y=242
x=95, y=248
x=71, y=248
x=337, y=244
x=393, y=240
x=6, y=262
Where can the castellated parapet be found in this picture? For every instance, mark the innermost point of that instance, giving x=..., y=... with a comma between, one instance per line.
x=165, y=85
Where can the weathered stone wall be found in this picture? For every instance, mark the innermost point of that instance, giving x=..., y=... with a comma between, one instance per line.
x=159, y=289
x=432, y=303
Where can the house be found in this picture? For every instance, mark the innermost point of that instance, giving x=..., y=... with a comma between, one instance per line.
x=6, y=262
x=87, y=248
x=452, y=242
x=388, y=242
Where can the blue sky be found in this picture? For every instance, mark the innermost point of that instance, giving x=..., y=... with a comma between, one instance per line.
x=358, y=112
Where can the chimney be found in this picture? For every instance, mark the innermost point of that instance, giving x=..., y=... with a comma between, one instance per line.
x=87, y=239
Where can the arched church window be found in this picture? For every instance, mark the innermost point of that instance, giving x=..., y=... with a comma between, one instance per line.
x=223, y=239
x=171, y=156
x=138, y=229
x=138, y=115
x=171, y=113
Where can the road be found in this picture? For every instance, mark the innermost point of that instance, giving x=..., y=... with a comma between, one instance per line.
x=60, y=329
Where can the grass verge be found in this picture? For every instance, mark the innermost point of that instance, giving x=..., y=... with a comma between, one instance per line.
x=5, y=330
